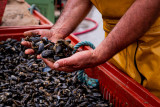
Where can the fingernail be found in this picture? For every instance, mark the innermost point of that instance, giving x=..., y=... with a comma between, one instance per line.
x=56, y=65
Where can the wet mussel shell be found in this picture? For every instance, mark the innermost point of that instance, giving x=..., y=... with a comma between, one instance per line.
x=40, y=48
x=58, y=49
x=47, y=53
x=45, y=39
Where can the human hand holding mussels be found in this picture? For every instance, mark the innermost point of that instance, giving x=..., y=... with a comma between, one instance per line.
x=52, y=51
x=50, y=34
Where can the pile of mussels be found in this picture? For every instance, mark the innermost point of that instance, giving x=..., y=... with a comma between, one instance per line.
x=23, y=81
x=50, y=50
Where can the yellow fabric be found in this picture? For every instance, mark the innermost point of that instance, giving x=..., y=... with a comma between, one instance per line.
x=145, y=53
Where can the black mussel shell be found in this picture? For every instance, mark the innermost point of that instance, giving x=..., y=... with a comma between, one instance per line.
x=45, y=39
x=56, y=57
x=58, y=49
x=47, y=53
x=40, y=48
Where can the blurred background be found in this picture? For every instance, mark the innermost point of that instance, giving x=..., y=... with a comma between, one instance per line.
x=18, y=11
x=95, y=36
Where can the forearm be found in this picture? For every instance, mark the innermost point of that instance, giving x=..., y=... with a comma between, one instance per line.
x=136, y=21
x=73, y=13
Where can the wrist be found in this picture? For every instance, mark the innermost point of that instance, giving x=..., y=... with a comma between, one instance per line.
x=97, y=57
x=94, y=56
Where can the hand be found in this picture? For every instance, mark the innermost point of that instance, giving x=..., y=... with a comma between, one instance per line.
x=50, y=34
x=80, y=60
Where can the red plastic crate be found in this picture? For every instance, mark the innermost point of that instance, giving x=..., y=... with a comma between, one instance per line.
x=115, y=86
x=2, y=8
x=44, y=22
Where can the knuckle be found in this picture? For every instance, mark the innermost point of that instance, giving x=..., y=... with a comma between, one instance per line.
x=76, y=66
x=64, y=62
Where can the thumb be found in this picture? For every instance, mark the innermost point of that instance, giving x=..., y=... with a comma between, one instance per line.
x=71, y=61
x=31, y=33
x=63, y=62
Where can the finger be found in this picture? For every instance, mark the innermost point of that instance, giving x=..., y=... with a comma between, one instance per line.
x=38, y=57
x=49, y=63
x=29, y=51
x=70, y=61
x=31, y=33
x=26, y=43
x=66, y=69
x=76, y=61
x=44, y=32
